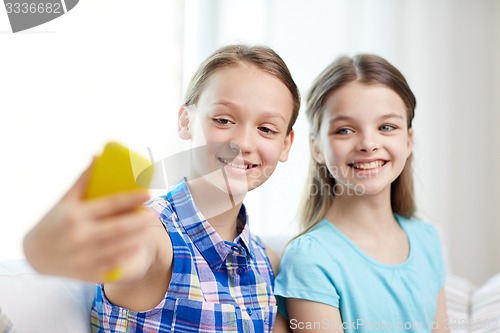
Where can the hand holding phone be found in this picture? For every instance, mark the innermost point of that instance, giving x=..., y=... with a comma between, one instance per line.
x=116, y=170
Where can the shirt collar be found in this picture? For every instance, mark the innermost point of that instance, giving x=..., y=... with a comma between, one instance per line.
x=211, y=246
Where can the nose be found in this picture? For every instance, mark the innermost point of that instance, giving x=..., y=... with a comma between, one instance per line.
x=368, y=143
x=243, y=140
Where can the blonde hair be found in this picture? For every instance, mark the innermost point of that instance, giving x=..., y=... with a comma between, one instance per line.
x=369, y=69
x=261, y=56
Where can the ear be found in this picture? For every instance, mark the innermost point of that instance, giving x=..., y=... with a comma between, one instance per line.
x=183, y=129
x=410, y=142
x=287, y=144
x=316, y=151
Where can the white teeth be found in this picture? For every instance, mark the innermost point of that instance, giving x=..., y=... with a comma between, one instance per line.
x=234, y=165
x=371, y=165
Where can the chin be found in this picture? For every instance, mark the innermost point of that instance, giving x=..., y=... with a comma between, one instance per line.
x=369, y=189
x=231, y=185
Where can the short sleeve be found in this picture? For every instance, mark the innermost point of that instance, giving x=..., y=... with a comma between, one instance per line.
x=427, y=238
x=439, y=265
x=303, y=275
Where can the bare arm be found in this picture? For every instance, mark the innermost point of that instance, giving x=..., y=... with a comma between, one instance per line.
x=154, y=263
x=440, y=324
x=307, y=316
x=87, y=239
x=281, y=325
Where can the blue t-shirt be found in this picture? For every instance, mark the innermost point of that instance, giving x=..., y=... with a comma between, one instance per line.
x=325, y=266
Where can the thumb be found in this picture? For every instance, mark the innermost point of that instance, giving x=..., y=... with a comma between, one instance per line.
x=78, y=189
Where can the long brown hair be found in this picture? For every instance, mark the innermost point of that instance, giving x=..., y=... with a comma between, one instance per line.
x=369, y=69
x=261, y=56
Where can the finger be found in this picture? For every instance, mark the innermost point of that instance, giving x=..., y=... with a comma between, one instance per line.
x=115, y=230
x=116, y=203
x=91, y=264
x=77, y=190
x=123, y=254
x=126, y=223
x=113, y=253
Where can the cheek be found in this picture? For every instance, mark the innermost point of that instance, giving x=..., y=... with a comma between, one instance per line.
x=270, y=152
x=401, y=152
x=198, y=133
x=334, y=152
x=213, y=135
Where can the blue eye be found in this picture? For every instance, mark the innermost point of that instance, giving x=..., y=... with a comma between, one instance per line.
x=344, y=131
x=387, y=128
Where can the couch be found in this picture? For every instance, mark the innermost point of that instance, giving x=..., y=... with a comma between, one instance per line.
x=43, y=304
x=47, y=304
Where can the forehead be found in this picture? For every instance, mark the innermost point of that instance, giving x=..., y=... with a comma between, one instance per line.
x=246, y=86
x=364, y=101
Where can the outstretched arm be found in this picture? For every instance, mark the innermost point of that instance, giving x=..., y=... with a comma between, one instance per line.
x=86, y=239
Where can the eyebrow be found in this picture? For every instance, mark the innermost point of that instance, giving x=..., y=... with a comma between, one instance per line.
x=269, y=114
x=385, y=116
x=265, y=114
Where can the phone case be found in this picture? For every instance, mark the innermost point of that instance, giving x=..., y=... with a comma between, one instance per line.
x=117, y=170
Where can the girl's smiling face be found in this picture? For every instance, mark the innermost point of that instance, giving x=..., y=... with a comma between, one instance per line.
x=242, y=117
x=364, y=140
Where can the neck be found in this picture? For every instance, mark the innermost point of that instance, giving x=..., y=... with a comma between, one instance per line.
x=372, y=213
x=218, y=207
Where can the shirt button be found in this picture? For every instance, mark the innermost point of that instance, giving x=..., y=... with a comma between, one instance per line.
x=235, y=248
x=249, y=311
x=240, y=270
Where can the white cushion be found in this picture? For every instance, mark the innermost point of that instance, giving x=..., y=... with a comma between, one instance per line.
x=37, y=303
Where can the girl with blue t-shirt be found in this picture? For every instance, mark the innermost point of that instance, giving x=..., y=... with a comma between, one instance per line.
x=362, y=263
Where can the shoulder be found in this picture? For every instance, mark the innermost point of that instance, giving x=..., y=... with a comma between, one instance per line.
x=309, y=249
x=165, y=206
x=425, y=242
x=266, y=252
x=308, y=269
x=314, y=239
x=427, y=247
x=419, y=228
x=161, y=206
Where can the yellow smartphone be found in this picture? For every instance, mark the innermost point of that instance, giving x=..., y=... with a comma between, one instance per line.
x=118, y=169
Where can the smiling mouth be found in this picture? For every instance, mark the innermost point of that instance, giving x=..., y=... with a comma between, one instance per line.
x=368, y=165
x=242, y=166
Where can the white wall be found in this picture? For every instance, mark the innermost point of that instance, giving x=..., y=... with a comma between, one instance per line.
x=114, y=69
x=448, y=51
x=108, y=69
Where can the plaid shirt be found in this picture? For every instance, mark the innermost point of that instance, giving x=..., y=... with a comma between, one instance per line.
x=5, y=324
x=216, y=285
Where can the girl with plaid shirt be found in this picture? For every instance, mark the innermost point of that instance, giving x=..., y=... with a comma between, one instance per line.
x=189, y=263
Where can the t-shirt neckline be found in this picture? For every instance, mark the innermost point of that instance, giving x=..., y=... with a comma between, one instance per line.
x=365, y=256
